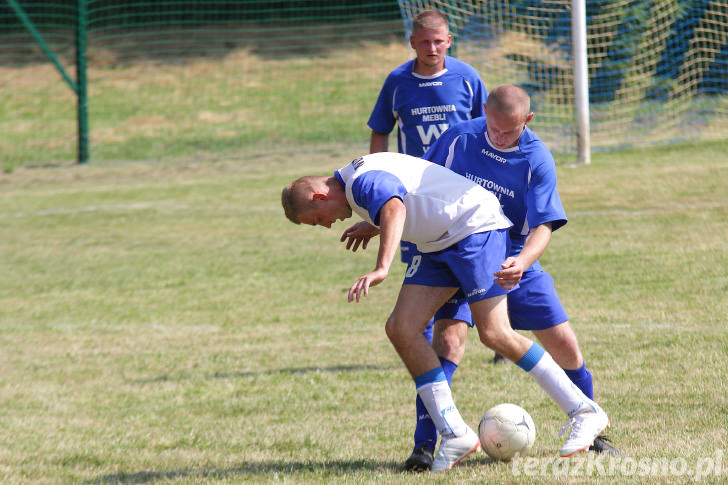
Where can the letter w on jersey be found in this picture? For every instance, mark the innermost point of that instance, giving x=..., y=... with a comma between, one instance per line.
x=432, y=133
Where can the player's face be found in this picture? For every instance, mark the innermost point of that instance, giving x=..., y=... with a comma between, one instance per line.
x=503, y=130
x=324, y=213
x=431, y=45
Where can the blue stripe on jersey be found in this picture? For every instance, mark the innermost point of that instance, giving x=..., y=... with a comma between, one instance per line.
x=374, y=188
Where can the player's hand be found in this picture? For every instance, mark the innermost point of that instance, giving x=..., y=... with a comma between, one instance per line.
x=361, y=287
x=359, y=233
x=510, y=275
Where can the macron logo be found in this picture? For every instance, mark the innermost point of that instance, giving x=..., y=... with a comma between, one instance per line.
x=431, y=83
x=495, y=157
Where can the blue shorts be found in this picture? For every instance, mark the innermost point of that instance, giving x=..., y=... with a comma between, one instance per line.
x=535, y=305
x=468, y=265
x=532, y=305
x=406, y=251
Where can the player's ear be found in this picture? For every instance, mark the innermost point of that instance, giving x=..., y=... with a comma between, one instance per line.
x=529, y=117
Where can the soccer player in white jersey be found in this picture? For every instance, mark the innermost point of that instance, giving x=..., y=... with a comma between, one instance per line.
x=423, y=97
x=461, y=234
x=503, y=155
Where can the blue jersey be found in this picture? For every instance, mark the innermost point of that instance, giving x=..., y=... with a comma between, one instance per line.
x=425, y=106
x=523, y=177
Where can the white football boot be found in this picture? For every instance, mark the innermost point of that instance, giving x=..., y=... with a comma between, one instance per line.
x=453, y=450
x=586, y=425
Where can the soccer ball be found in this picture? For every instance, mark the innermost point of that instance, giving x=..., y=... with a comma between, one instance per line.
x=506, y=429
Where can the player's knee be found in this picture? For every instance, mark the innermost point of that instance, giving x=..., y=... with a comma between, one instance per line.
x=562, y=344
x=391, y=327
x=396, y=328
x=493, y=337
x=570, y=346
x=450, y=340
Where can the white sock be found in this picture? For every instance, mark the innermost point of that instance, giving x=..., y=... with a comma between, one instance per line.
x=558, y=386
x=552, y=378
x=439, y=403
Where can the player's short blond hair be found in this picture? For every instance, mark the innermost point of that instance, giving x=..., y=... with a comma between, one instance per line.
x=296, y=197
x=429, y=19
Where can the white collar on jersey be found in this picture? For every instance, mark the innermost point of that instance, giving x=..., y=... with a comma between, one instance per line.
x=511, y=149
x=433, y=76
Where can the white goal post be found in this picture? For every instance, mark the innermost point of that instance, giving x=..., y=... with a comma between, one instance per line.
x=581, y=80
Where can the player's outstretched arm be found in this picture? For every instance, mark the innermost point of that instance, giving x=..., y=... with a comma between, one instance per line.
x=359, y=233
x=391, y=223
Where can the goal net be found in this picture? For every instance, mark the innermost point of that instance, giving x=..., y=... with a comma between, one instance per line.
x=658, y=71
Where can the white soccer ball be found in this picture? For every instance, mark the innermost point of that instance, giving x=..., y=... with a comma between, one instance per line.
x=506, y=429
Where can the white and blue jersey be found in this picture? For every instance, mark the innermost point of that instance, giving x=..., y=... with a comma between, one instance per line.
x=523, y=177
x=423, y=107
x=443, y=208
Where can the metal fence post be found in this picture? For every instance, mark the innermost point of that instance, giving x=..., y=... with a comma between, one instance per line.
x=81, y=24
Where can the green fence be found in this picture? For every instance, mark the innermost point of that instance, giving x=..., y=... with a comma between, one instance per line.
x=192, y=78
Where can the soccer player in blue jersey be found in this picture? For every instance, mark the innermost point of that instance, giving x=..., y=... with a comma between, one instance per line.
x=461, y=234
x=423, y=97
x=426, y=95
x=500, y=153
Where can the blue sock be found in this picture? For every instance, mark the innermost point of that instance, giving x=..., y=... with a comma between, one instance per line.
x=449, y=368
x=425, y=431
x=428, y=331
x=582, y=379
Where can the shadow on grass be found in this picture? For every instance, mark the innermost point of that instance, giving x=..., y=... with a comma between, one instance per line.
x=251, y=470
x=286, y=371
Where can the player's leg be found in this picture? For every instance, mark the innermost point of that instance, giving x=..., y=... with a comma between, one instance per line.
x=586, y=418
x=449, y=338
x=433, y=269
x=449, y=344
x=425, y=435
x=473, y=262
x=560, y=341
x=414, y=307
x=536, y=306
x=415, y=304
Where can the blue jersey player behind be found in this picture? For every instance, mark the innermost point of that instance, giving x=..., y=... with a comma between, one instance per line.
x=424, y=97
x=500, y=153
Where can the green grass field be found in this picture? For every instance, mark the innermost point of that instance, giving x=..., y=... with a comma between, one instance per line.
x=163, y=322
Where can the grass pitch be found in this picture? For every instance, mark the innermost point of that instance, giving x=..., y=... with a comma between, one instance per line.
x=165, y=323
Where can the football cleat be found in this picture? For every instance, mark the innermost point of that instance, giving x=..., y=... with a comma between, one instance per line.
x=453, y=450
x=419, y=461
x=586, y=425
x=601, y=445
x=499, y=359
